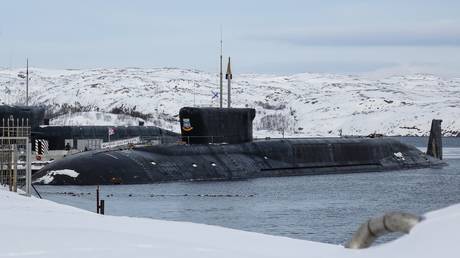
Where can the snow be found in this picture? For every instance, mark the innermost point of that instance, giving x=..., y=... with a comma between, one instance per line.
x=97, y=118
x=399, y=155
x=41, y=228
x=298, y=105
x=49, y=177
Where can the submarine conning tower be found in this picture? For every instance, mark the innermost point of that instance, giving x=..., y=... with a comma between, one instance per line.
x=216, y=125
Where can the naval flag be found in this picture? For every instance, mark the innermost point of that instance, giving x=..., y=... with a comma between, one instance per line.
x=111, y=131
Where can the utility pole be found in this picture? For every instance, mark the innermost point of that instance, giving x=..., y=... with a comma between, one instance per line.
x=229, y=78
x=27, y=82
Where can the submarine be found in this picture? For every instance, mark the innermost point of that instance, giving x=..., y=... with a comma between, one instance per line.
x=218, y=144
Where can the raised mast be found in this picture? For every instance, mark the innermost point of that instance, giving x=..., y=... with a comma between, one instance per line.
x=229, y=78
x=27, y=82
x=221, y=74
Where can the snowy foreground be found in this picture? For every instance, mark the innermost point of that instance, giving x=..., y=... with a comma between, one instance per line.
x=39, y=228
x=299, y=105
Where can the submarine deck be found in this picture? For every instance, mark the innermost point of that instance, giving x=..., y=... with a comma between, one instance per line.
x=263, y=158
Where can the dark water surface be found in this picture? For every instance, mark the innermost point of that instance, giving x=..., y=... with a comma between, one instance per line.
x=325, y=208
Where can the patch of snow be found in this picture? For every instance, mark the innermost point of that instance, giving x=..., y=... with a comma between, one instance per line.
x=49, y=177
x=97, y=118
x=399, y=155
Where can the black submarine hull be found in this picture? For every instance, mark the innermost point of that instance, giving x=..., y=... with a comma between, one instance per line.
x=268, y=158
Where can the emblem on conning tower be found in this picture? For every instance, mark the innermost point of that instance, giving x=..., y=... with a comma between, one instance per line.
x=186, y=125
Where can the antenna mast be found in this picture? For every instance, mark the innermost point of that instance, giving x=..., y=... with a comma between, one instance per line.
x=27, y=82
x=229, y=78
x=220, y=74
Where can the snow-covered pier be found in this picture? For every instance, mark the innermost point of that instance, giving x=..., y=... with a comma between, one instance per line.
x=41, y=228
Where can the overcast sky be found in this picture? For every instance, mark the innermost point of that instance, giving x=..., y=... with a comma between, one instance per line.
x=335, y=36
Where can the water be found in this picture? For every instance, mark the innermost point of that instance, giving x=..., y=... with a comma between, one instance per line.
x=326, y=208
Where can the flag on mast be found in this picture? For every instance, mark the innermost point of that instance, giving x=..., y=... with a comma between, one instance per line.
x=110, y=131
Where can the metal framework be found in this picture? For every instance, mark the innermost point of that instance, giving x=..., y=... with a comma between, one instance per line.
x=15, y=154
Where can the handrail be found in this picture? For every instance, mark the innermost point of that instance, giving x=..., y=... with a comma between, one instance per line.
x=221, y=138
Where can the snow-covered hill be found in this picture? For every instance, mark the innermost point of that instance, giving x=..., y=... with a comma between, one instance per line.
x=300, y=105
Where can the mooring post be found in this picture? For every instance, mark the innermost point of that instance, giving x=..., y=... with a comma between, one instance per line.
x=97, y=200
x=102, y=207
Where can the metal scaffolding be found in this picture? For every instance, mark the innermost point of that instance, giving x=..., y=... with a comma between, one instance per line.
x=15, y=154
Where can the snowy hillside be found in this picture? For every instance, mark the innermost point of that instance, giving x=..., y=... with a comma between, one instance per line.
x=300, y=105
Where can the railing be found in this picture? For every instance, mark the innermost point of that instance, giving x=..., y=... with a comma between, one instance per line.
x=186, y=139
x=11, y=127
x=222, y=139
x=113, y=144
x=155, y=140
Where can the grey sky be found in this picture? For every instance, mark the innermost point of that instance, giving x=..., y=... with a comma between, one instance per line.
x=261, y=36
